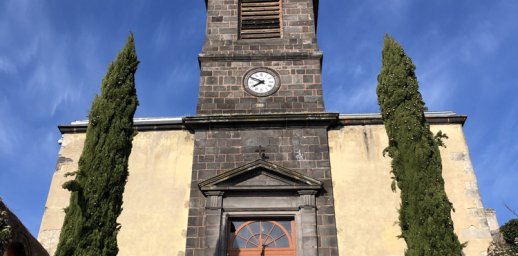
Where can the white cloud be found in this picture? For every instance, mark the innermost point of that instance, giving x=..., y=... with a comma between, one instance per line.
x=346, y=98
x=8, y=132
x=7, y=66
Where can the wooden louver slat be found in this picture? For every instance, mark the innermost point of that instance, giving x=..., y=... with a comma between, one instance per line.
x=260, y=19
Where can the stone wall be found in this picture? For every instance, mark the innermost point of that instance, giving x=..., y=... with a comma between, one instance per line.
x=221, y=89
x=302, y=149
x=298, y=29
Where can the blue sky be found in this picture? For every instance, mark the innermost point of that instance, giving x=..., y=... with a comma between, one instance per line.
x=53, y=55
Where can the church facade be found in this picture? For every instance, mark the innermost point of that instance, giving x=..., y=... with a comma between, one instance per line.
x=262, y=168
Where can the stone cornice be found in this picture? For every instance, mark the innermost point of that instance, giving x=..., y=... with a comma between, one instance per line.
x=268, y=56
x=456, y=119
x=283, y=120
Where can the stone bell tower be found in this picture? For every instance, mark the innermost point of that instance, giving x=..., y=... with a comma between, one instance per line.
x=261, y=179
x=276, y=35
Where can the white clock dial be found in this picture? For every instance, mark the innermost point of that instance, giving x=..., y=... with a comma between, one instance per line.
x=261, y=82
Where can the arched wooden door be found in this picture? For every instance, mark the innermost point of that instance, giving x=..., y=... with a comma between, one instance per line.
x=261, y=238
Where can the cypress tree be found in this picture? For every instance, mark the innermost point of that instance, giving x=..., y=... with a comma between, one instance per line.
x=425, y=211
x=90, y=226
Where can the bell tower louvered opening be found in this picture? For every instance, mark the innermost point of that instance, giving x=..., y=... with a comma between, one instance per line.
x=260, y=19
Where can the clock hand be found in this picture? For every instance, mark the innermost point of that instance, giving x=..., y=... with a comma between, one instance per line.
x=258, y=80
x=257, y=84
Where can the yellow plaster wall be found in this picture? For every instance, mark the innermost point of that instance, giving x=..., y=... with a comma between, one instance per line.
x=365, y=206
x=58, y=198
x=156, y=196
x=469, y=218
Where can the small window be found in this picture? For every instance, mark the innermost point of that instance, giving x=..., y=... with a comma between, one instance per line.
x=260, y=19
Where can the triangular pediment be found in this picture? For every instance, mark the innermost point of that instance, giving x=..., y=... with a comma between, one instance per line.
x=260, y=175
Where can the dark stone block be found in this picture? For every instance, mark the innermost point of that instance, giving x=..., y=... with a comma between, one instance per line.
x=323, y=164
x=248, y=100
x=212, y=231
x=211, y=94
x=213, y=166
x=312, y=98
x=199, y=166
x=328, y=230
x=290, y=164
x=205, y=143
x=309, y=241
x=217, y=19
x=232, y=150
x=324, y=200
x=318, y=148
x=224, y=94
x=228, y=166
x=307, y=79
x=220, y=134
x=211, y=242
x=234, y=158
x=200, y=252
x=316, y=173
x=226, y=106
x=195, y=221
x=206, y=158
x=302, y=93
x=193, y=212
x=192, y=232
x=311, y=251
x=230, y=80
x=213, y=220
x=328, y=241
x=211, y=151
x=219, y=88
x=220, y=158
x=307, y=164
x=207, y=174
x=195, y=202
x=288, y=149
x=326, y=210
x=324, y=252
x=211, y=80
x=328, y=219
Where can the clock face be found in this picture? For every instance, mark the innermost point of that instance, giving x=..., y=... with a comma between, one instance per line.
x=261, y=82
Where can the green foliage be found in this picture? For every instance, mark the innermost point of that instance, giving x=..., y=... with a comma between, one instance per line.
x=72, y=186
x=90, y=226
x=5, y=231
x=510, y=232
x=425, y=211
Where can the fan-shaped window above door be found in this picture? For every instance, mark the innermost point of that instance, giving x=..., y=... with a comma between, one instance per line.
x=261, y=237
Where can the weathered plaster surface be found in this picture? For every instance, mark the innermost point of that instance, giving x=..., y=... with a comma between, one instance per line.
x=58, y=198
x=469, y=218
x=366, y=208
x=155, y=208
